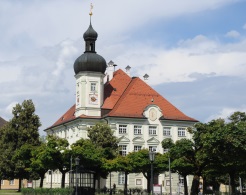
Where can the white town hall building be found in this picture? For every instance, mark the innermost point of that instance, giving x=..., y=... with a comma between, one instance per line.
x=139, y=116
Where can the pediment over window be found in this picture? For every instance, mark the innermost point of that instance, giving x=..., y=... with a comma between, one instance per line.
x=153, y=141
x=138, y=140
x=124, y=139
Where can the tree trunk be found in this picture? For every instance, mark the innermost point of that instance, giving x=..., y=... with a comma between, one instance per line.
x=204, y=185
x=98, y=183
x=233, y=184
x=19, y=189
x=195, y=185
x=125, y=185
x=185, y=185
x=63, y=179
x=41, y=181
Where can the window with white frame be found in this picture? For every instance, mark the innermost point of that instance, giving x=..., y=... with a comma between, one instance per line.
x=153, y=148
x=152, y=130
x=11, y=182
x=137, y=148
x=167, y=131
x=93, y=86
x=123, y=150
x=137, y=129
x=165, y=151
x=2, y=182
x=181, y=181
x=121, y=178
x=181, y=132
x=138, y=181
x=122, y=129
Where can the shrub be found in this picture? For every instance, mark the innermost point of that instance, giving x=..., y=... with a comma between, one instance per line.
x=46, y=191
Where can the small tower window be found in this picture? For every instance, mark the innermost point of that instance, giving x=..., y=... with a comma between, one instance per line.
x=91, y=47
x=93, y=87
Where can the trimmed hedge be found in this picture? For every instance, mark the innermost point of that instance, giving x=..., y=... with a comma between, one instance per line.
x=47, y=191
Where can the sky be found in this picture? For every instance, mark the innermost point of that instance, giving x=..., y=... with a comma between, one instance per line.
x=193, y=51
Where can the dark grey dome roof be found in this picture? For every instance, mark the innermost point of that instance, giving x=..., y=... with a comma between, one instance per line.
x=90, y=34
x=90, y=62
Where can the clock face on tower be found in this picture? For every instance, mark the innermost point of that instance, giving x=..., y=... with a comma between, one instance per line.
x=152, y=114
x=93, y=99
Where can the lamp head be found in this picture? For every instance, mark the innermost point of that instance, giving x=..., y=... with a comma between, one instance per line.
x=77, y=161
x=151, y=156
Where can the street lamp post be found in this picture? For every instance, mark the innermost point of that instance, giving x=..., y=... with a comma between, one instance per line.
x=76, y=176
x=170, y=177
x=110, y=189
x=152, y=159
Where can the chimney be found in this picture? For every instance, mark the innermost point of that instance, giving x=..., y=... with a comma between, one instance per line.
x=128, y=68
x=110, y=71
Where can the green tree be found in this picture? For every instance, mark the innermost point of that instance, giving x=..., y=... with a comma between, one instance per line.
x=219, y=150
x=39, y=161
x=102, y=136
x=182, y=155
x=123, y=165
x=227, y=145
x=59, y=155
x=91, y=157
x=141, y=164
x=22, y=129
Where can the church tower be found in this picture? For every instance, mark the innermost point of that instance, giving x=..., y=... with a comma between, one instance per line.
x=89, y=71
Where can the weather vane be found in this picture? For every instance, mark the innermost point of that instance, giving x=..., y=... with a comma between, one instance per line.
x=91, y=10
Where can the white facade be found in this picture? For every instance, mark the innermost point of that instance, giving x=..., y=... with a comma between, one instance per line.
x=134, y=134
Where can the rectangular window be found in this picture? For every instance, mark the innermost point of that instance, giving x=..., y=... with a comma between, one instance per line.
x=165, y=151
x=122, y=129
x=181, y=132
x=93, y=86
x=11, y=182
x=138, y=181
x=152, y=130
x=167, y=131
x=121, y=178
x=181, y=181
x=123, y=150
x=153, y=148
x=137, y=148
x=1, y=182
x=167, y=182
x=137, y=129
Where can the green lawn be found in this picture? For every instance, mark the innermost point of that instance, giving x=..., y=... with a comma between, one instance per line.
x=9, y=192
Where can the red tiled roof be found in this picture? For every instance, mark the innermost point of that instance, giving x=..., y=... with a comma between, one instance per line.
x=138, y=96
x=68, y=116
x=128, y=97
x=115, y=88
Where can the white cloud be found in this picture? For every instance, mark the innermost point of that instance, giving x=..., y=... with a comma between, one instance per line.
x=232, y=34
x=67, y=51
x=198, y=55
x=226, y=112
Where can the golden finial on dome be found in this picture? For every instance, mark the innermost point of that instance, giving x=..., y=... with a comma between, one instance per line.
x=91, y=10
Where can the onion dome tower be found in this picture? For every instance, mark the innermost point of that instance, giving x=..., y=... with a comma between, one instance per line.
x=89, y=71
x=90, y=60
